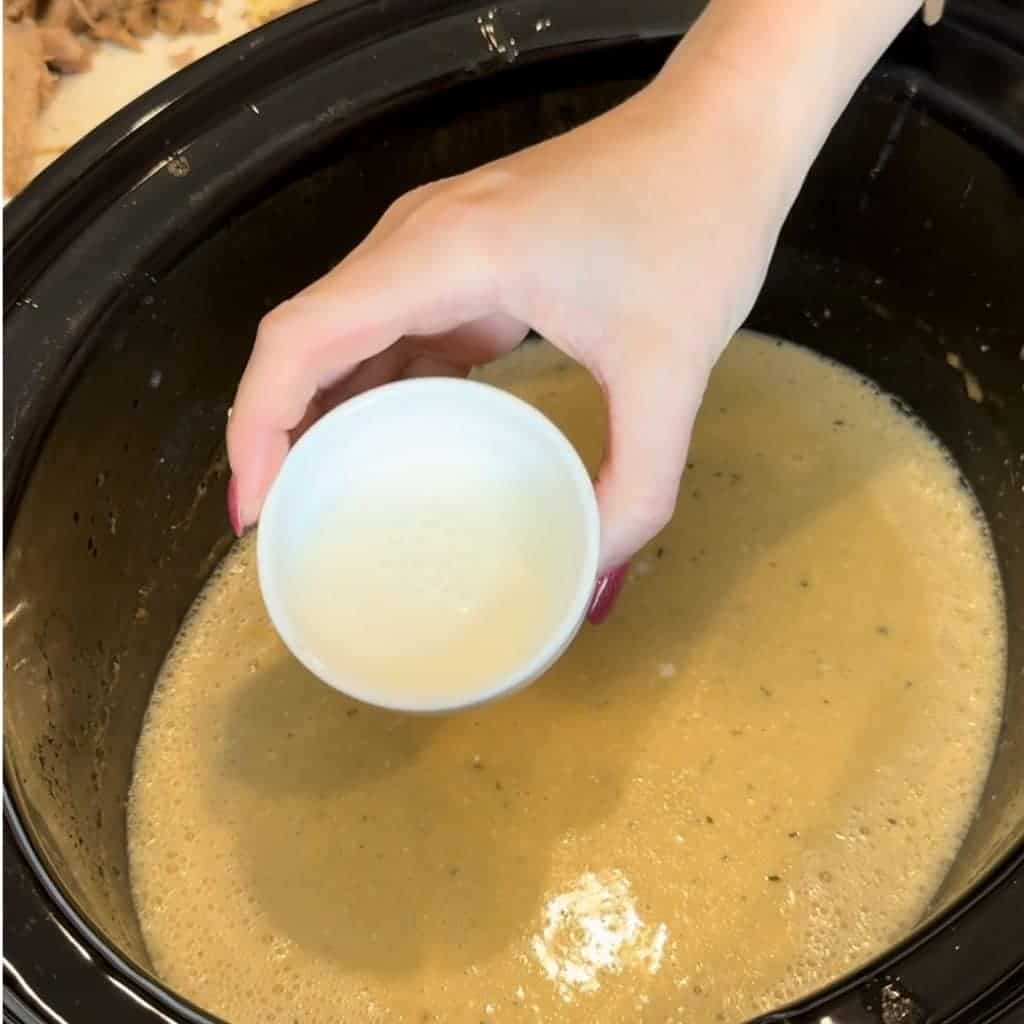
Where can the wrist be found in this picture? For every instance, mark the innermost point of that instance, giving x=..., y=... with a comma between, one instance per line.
x=780, y=72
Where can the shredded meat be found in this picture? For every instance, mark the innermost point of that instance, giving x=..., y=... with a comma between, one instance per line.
x=63, y=50
x=27, y=86
x=262, y=11
x=43, y=38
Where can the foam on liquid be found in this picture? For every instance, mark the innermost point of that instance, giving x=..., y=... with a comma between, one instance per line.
x=752, y=778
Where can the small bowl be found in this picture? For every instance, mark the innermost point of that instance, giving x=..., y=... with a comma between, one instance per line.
x=429, y=545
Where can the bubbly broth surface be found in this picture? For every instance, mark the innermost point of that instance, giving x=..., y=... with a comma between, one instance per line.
x=752, y=778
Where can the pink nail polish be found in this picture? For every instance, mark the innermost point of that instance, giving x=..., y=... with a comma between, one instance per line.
x=234, y=512
x=606, y=593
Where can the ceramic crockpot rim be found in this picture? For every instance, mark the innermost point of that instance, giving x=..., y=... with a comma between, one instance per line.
x=130, y=153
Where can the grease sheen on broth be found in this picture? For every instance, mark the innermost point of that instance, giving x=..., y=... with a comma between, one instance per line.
x=752, y=778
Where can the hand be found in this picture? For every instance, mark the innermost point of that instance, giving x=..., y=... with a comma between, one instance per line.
x=636, y=244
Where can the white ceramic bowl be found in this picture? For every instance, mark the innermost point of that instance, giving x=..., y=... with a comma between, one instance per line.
x=430, y=544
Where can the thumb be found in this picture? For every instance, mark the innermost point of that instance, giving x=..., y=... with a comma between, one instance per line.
x=652, y=403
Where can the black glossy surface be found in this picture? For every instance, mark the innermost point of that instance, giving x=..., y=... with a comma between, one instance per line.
x=133, y=293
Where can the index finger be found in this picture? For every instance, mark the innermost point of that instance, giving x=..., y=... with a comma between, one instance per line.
x=415, y=281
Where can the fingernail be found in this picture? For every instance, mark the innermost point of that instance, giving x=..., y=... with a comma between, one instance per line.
x=234, y=511
x=606, y=593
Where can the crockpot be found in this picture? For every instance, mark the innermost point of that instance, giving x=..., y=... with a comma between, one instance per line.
x=138, y=267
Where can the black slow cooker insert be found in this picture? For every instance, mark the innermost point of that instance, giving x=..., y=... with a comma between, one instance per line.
x=139, y=265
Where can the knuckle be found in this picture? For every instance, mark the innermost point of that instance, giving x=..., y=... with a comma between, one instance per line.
x=274, y=326
x=463, y=215
x=659, y=511
x=463, y=230
x=408, y=202
x=653, y=512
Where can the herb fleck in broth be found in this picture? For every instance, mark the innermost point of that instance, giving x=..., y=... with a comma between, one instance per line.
x=781, y=733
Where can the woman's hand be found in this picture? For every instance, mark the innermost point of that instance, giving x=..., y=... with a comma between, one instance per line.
x=636, y=244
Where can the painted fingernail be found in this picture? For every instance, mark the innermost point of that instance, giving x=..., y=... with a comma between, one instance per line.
x=234, y=511
x=606, y=593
